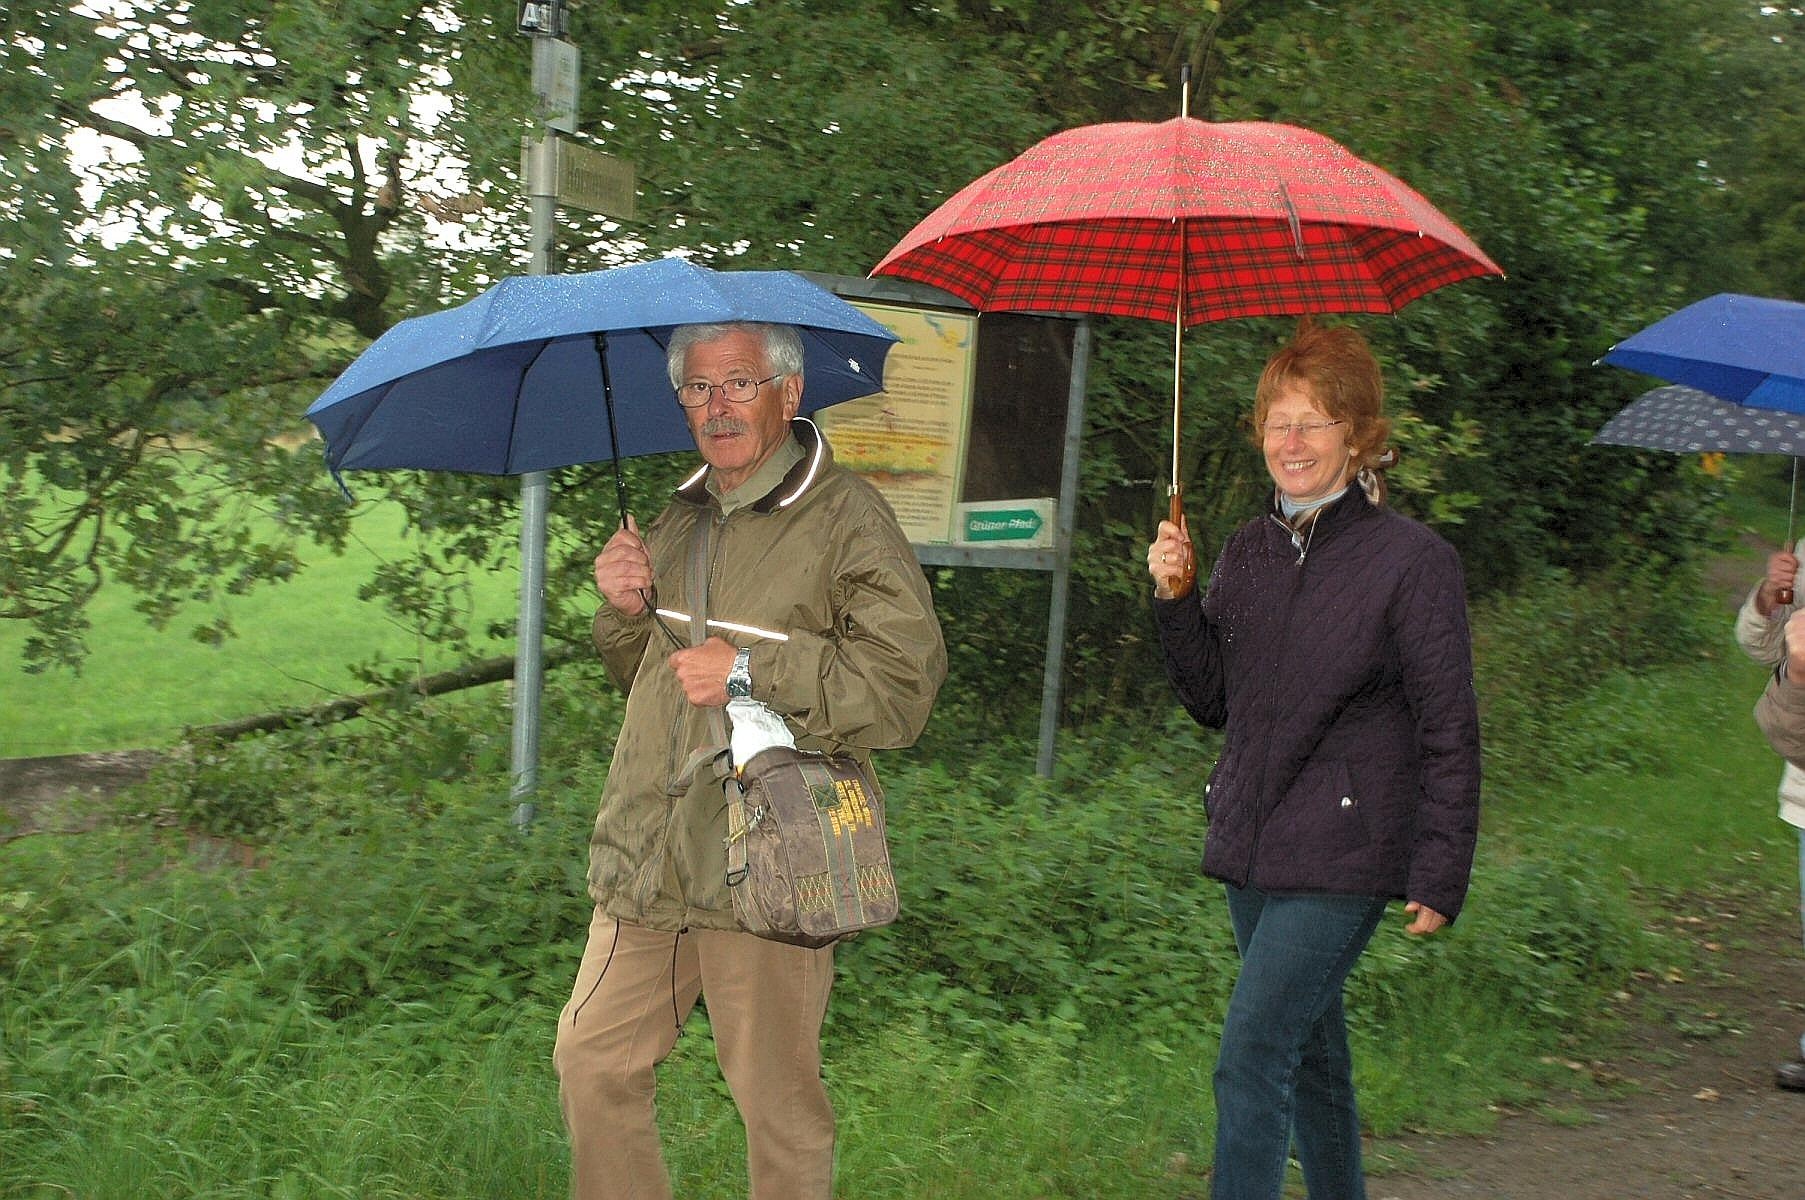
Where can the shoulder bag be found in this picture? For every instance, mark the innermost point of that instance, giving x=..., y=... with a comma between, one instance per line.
x=808, y=858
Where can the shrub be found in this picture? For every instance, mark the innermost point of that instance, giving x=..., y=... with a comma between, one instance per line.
x=1540, y=655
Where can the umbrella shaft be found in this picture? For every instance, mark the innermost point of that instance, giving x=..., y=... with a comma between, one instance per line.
x=1178, y=355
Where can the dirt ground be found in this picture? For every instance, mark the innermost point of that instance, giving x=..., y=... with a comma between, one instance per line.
x=60, y=793
x=1692, y=1111
x=1684, y=1108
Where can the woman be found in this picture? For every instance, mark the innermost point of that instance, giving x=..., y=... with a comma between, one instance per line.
x=1331, y=646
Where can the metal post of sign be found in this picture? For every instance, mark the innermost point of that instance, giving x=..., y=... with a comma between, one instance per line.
x=1062, y=542
x=529, y=631
x=545, y=23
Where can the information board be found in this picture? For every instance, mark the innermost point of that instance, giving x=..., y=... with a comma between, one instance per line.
x=909, y=439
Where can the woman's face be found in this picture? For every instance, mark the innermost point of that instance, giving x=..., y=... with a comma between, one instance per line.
x=1307, y=451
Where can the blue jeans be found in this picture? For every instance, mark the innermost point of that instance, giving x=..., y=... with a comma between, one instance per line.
x=1284, y=1067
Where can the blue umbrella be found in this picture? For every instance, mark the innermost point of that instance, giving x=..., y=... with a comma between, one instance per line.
x=1746, y=349
x=1684, y=420
x=546, y=371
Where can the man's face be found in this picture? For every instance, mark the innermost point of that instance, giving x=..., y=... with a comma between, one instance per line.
x=736, y=438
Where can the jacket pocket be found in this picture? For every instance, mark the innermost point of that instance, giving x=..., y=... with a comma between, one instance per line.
x=1320, y=819
x=1215, y=785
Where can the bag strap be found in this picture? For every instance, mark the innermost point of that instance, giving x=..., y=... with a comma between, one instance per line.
x=717, y=746
x=698, y=579
x=720, y=743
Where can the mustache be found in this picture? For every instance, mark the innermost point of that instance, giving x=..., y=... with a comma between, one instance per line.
x=719, y=425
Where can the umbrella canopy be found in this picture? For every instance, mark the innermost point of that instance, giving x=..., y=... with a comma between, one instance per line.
x=518, y=379
x=1684, y=420
x=1188, y=220
x=1748, y=349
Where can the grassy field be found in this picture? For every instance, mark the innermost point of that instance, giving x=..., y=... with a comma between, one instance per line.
x=297, y=644
x=188, y=1032
x=169, y=1026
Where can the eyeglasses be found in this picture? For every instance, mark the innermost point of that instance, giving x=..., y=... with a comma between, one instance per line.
x=1277, y=430
x=738, y=390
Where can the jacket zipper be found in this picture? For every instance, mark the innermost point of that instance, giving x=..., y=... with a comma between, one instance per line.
x=1291, y=594
x=678, y=754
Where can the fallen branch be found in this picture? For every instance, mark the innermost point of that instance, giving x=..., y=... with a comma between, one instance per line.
x=488, y=670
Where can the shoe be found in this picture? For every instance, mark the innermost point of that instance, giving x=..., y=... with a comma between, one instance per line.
x=1790, y=1076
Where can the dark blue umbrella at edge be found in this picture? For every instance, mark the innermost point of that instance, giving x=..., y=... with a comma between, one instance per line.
x=1683, y=420
x=547, y=371
x=1745, y=349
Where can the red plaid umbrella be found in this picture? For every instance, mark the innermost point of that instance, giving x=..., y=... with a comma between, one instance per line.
x=1187, y=221
x=1256, y=219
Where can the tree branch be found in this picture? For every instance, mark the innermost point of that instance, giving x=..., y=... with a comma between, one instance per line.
x=488, y=670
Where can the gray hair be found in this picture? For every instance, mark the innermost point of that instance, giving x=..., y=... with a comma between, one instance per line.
x=783, y=346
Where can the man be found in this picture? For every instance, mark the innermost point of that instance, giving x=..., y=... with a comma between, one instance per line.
x=804, y=550
x=1781, y=714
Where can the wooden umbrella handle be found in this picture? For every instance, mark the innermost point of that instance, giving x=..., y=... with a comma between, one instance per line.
x=1182, y=581
x=1783, y=595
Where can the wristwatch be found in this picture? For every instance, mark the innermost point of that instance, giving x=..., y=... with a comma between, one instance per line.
x=739, y=679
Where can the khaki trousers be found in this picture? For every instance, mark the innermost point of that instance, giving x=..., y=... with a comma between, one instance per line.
x=766, y=1002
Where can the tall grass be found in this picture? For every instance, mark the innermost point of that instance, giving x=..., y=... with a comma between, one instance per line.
x=369, y=1011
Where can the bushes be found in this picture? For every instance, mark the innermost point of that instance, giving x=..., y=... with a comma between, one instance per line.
x=1025, y=899
x=394, y=917
x=1542, y=654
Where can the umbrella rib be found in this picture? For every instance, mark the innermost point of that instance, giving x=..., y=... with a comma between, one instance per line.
x=349, y=442
x=526, y=368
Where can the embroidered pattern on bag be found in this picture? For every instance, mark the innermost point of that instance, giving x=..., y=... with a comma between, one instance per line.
x=876, y=883
x=851, y=810
x=821, y=791
x=815, y=893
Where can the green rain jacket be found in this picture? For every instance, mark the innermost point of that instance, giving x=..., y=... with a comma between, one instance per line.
x=819, y=558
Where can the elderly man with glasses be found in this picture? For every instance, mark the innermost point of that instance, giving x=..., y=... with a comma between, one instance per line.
x=827, y=620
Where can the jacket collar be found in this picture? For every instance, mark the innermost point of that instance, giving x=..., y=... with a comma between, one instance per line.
x=1345, y=509
x=816, y=458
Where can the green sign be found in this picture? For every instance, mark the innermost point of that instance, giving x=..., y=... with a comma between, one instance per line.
x=1002, y=525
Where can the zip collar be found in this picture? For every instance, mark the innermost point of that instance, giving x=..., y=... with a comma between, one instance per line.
x=816, y=457
x=1343, y=510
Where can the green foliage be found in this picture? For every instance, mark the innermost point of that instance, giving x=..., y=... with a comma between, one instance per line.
x=364, y=1009
x=1028, y=900
x=1542, y=656
x=1519, y=946
x=1609, y=157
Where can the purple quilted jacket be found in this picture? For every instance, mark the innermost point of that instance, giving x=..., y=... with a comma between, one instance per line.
x=1341, y=671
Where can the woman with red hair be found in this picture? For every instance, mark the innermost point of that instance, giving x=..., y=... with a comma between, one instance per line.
x=1330, y=644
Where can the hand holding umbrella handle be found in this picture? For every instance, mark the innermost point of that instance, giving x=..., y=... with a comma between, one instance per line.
x=1184, y=579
